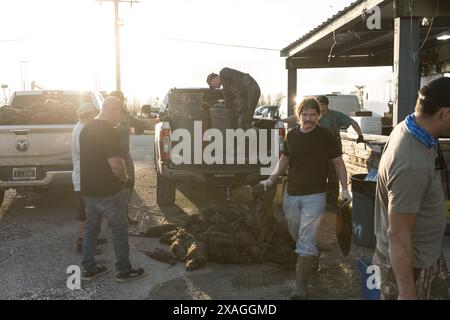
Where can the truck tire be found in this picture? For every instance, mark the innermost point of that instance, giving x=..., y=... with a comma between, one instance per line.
x=165, y=190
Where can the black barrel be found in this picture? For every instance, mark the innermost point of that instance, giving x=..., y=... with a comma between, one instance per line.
x=363, y=211
x=223, y=118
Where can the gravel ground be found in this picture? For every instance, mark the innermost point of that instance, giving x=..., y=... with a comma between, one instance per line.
x=37, y=241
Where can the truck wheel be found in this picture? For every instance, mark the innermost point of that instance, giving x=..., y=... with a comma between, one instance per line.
x=165, y=190
x=2, y=196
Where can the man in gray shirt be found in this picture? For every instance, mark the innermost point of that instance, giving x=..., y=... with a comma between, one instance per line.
x=410, y=203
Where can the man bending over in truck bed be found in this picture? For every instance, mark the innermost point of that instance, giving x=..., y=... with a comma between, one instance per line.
x=241, y=91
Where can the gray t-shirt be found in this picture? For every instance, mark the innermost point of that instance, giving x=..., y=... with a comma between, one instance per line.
x=408, y=182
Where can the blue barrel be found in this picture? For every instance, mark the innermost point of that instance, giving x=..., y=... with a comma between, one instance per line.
x=368, y=292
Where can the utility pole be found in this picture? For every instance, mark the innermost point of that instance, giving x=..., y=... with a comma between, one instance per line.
x=117, y=25
x=117, y=37
x=24, y=74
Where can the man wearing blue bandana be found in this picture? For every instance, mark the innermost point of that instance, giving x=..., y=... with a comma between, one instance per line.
x=410, y=202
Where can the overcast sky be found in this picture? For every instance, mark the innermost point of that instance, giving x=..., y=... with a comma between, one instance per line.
x=70, y=43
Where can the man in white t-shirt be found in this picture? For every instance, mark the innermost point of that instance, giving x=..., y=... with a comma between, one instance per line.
x=86, y=113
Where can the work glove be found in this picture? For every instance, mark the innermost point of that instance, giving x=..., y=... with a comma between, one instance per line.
x=360, y=139
x=346, y=196
x=266, y=183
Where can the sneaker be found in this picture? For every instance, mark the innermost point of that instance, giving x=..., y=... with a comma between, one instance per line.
x=79, y=249
x=101, y=270
x=130, y=275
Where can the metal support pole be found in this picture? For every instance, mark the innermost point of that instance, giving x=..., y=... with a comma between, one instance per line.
x=291, y=90
x=406, y=78
x=117, y=36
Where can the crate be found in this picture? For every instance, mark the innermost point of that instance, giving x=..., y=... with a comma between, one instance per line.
x=369, y=125
x=361, y=114
x=186, y=101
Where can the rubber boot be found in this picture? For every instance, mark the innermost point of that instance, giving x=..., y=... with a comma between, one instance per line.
x=304, y=272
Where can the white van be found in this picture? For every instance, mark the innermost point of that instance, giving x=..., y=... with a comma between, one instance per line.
x=345, y=103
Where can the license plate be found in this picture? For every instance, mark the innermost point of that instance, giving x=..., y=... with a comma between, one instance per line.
x=24, y=173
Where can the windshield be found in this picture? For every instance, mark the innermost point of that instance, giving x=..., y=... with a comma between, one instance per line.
x=21, y=101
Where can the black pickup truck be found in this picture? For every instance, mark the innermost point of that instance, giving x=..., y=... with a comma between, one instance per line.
x=182, y=112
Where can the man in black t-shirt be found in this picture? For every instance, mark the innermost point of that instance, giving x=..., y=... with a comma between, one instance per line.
x=103, y=177
x=307, y=150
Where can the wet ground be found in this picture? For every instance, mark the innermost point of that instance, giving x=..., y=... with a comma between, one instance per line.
x=37, y=245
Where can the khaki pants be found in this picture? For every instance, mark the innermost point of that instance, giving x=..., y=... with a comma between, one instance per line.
x=431, y=282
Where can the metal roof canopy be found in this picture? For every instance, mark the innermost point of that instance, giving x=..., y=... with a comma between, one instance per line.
x=345, y=40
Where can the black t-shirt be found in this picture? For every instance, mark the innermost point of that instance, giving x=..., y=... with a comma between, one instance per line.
x=309, y=154
x=124, y=132
x=98, y=142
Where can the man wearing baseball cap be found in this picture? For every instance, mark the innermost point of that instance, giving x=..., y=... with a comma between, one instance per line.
x=241, y=92
x=410, y=202
x=123, y=129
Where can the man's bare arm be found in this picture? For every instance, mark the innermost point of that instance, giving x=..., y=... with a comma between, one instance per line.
x=118, y=168
x=401, y=252
x=341, y=171
x=280, y=168
x=356, y=127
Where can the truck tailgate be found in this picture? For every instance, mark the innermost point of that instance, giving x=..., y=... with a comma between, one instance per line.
x=40, y=145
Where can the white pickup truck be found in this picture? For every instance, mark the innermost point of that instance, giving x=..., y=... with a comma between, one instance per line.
x=35, y=138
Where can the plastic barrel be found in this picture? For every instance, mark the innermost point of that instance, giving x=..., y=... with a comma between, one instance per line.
x=363, y=211
x=222, y=118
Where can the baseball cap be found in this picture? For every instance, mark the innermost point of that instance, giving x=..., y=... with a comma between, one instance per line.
x=437, y=92
x=86, y=108
x=117, y=94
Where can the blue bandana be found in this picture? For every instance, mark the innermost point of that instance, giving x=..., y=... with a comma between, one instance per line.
x=419, y=133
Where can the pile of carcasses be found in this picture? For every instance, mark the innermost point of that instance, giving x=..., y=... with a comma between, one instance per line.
x=234, y=234
x=46, y=112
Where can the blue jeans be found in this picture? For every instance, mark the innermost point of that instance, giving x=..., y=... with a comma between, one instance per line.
x=114, y=209
x=303, y=215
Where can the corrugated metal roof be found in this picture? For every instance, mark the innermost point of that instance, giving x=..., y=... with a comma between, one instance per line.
x=336, y=16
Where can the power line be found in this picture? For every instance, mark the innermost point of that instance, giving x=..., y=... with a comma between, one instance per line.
x=221, y=44
x=14, y=40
